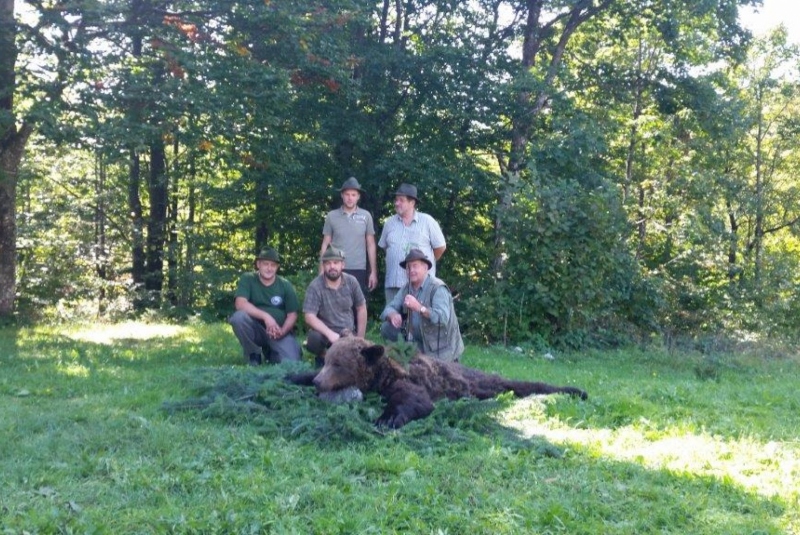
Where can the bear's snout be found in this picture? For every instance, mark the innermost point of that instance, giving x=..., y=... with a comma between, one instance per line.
x=317, y=382
x=321, y=383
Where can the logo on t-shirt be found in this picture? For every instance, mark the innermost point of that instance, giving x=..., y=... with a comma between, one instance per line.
x=359, y=219
x=276, y=300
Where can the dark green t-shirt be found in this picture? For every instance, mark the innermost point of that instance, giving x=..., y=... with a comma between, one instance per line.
x=277, y=299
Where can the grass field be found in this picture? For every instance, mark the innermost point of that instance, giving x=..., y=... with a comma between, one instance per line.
x=141, y=428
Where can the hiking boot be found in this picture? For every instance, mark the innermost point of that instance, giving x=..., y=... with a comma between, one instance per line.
x=255, y=359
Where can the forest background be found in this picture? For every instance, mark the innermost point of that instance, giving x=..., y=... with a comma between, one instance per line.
x=605, y=171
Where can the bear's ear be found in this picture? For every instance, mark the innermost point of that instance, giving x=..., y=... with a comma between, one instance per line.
x=373, y=353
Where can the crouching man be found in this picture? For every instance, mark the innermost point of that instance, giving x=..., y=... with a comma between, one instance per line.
x=422, y=312
x=266, y=312
x=334, y=305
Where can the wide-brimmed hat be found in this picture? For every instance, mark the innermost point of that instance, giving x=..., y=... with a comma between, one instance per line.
x=351, y=183
x=268, y=253
x=415, y=254
x=408, y=190
x=332, y=253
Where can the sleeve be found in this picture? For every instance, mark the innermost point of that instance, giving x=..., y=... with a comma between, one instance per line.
x=396, y=304
x=327, y=228
x=370, y=224
x=242, y=288
x=440, y=305
x=436, y=234
x=358, y=295
x=311, y=303
x=292, y=303
x=382, y=241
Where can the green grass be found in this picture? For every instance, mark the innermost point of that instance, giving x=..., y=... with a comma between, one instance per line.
x=140, y=428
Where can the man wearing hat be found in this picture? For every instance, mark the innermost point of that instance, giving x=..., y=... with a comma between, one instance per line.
x=334, y=305
x=408, y=229
x=266, y=312
x=351, y=229
x=423, y=312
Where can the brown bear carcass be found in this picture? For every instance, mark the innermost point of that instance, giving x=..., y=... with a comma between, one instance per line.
x=410, y=392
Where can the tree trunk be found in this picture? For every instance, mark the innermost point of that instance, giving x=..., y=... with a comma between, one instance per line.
x=12, y=147
x=190, y=239
x=157, y=221
x=100, y=251
x=263, y=230
x=137, y=220
x=135, y=113
x=173, y=245
x=758, y=231
x=733, y=243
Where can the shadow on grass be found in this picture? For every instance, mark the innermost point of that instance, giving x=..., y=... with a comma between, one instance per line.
x=9, y=347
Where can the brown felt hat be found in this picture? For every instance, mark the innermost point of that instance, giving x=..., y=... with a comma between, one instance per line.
x=415, y=254
x=407, y=190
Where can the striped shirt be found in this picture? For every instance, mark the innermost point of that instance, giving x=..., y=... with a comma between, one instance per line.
x=398, y=239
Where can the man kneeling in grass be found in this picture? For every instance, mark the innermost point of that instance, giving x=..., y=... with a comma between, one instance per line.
x=266, y=312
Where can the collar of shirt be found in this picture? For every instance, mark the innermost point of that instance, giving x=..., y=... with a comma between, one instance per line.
x=345, y=212
x=400, y=218
x=421, y=286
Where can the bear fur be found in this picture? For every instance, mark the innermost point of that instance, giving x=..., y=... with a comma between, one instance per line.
x=410, y=392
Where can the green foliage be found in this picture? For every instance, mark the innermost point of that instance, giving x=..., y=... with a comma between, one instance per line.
x=567, y=277
x=654, y=203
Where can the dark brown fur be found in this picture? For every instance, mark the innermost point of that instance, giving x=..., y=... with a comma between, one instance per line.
x=410, y=393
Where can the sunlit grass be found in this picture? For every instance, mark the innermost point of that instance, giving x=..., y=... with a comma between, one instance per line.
x=769, y=468
x=110, y=333
x=75, y=370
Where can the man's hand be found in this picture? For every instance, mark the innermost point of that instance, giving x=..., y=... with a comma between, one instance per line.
x=270, y=323
x=396, y=320
x=411, y=303
x=275, y=332
x=333, y=337
x=372, y=283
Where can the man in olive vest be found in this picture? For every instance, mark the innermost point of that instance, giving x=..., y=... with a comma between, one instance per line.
x=422, y=312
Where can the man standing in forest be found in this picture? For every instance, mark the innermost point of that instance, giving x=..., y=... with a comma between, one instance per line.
x=408, y=229
x=350, y=229
x=266, y=312
x=334, y=305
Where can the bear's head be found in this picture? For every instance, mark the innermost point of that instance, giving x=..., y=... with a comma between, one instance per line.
x=350, y=362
